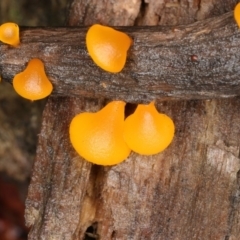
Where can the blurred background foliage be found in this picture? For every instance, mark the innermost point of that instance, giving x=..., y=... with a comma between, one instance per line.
x=33, y=12
x=20, y=120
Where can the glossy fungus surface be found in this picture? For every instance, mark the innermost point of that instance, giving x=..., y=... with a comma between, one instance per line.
x=147, y=131
x=33, y=83
x=237, y=14
x=108, y=47
x=98, y=137
x=9, y=33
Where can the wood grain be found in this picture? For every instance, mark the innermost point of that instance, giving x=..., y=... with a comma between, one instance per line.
x=190, y=191
x=59, y=174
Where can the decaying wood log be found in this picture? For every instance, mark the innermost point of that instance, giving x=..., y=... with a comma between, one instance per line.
x=197, y=61
x=59, y=176
x=190, y=191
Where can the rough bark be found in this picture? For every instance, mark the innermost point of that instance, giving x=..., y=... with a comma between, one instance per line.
x=196, y=61
x=181, y=12
x=60, y=177
x=190, y=191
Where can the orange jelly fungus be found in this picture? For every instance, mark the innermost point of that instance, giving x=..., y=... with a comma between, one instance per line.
x=237, y=14
x=147, y=131
x=98, y=138
x=108, y=47
x=33, y=83
x=9, y=33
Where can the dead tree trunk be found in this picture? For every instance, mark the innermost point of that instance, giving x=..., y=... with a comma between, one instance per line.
x=190, y=191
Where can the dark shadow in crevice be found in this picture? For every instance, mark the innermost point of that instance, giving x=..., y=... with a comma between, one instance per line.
x=141, y=13
x=113, y=236
x=91, y=232
x=238, y=179
x=130, y=109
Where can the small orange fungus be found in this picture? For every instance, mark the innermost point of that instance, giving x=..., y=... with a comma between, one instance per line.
x=98, y=137
x=237, y=14
x=147, y=131
x=108, y=47
x=9, y=33
x=33, y=83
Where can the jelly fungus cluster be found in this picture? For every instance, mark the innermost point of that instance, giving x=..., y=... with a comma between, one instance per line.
x=9, y=34
x=104, y=137
x=32, y=83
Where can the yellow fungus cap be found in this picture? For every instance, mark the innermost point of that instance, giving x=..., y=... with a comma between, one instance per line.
x=98, y=138
x=147, y=131
x=108, y=47
x=237, y=14
x=9, y=33
x=33, y=83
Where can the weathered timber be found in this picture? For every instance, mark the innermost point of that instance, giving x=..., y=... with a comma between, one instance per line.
x=196, y=61
x=190, y=191
x=59, y=174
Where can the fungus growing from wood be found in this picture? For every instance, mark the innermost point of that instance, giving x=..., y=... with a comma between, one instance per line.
x=237, y=14
x=33, y=83
x=147, y=131
x=9, y=33
x=98, y=137
x=108, y=47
